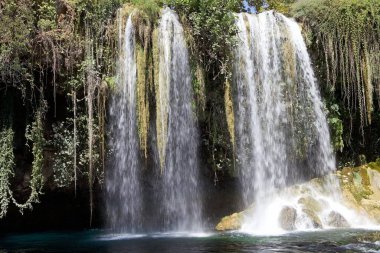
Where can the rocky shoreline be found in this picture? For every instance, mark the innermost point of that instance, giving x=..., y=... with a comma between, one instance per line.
x=359, y=192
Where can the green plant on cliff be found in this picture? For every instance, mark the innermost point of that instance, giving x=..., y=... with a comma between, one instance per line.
x=6, y=169
x=149, y=7
x=348, y=34
x=212, y=26
x=336, y=126
x=66, y=164
x=17, y=23
x=283, y=6
x=46, y=14
x=36, y=140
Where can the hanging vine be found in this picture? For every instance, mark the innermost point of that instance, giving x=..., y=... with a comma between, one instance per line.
x=6, y=169
x=36, y=140
x=348, y=32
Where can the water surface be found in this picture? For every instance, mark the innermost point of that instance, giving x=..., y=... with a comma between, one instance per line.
x=101, y=241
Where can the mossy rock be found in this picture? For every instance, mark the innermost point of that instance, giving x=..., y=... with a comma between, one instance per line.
x=232, y=222
x=347, y=171
x=372, y=207
x=357, y=181
x=375, y=165
x=364, y=175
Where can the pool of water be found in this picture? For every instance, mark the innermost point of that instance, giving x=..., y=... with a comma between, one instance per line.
x=101, y=241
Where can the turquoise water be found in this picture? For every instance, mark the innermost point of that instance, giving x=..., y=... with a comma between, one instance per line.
x=100, y=241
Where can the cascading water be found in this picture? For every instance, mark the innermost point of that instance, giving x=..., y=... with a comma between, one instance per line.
x=178, y=139
x=282, y=132
x=124, y=195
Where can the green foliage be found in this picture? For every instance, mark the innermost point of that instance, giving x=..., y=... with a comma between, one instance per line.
x=283, y=6
x=34, y=134
x=336, y=127
x=375, y=165
x=63, y=166
x=348, y=32
x=63, y=142
x=16, y=29
x=36, y=140
x=46, y=15
x=212, y=26
x=68, y=45
x=150, y=7
x=6, y=169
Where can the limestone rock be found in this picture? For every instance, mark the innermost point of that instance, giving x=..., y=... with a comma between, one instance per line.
x=360, y=189
x=287, y=218
x=232, y=222
x=313, y=217
x=335, y=219
x=310, y=203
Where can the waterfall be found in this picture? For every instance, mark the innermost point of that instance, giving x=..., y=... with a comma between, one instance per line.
x=281, y=128
x=177, y=132
x=123, y=189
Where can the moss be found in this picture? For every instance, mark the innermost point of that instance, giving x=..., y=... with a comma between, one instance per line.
x=142, y=98
x=357, y=181
x=375, y=165
x=346, y=171
x=364, y=176
x=289, y=58
x=162, y=103
x=229, y=112
x=199, y=83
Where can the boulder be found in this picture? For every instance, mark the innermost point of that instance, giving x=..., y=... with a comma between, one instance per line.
x=287, y=218
x=232, y=222
x=335, y=219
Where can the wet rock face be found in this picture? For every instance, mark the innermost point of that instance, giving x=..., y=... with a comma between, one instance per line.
x=310, y=203
x=315, y=221
x=336, y=220
x=287, y=218
x=361, y=189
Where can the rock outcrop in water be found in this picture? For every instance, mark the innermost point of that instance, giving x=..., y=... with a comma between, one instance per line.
x=360, y=191
x=287, y=219
x=337, y=220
